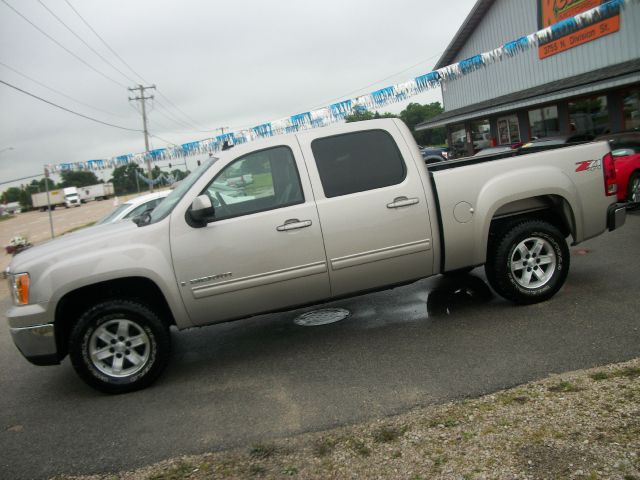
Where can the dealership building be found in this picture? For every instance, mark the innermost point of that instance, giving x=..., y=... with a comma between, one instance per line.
x=587, y=82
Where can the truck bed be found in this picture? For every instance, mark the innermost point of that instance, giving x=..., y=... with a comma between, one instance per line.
x=473, y=192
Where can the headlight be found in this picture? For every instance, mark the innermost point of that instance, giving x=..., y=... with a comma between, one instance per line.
x=19, y=284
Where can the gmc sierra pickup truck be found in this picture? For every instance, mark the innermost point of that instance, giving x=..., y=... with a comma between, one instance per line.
x=330, y=212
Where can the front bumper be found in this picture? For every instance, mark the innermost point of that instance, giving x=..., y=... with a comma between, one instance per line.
x=37, y=343
x=616, y=215
x=33, y=333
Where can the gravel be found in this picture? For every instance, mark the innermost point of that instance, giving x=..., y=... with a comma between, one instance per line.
x=579, y=425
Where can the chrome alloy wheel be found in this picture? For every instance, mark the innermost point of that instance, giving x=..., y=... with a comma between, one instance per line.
x=533, y=262
x=635, y=191
x=119, y=348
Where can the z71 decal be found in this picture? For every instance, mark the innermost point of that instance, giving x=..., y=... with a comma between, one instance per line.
x=588, y=165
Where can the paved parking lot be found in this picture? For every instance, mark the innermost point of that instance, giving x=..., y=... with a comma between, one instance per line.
x=246, y=382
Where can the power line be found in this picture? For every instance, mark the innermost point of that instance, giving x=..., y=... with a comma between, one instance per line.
x=58, y=91
x=62, y=46
x=104, y=42
x=68, y=110
x=85, y=43
x=193, y=123
x=378, y=81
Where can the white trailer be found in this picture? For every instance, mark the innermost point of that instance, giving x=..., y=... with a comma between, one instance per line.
x=39, y=200
x=100, y=191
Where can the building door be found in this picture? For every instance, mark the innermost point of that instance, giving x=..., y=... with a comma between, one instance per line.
x=508, y=130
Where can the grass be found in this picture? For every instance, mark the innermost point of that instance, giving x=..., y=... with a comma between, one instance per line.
x=4, y=218
x=179, y=471
x=627, y=372
x=388, y=434
x=564, y=387
x=263, y=451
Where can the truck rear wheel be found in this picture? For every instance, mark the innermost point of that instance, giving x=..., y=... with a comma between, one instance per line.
x=528, y=262
x=119, y=346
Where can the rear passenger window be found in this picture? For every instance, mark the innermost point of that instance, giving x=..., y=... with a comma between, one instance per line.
x=356, y=162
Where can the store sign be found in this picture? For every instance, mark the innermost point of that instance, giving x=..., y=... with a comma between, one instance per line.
x=553, y=11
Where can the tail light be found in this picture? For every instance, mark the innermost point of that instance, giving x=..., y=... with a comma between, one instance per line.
x=609, y=164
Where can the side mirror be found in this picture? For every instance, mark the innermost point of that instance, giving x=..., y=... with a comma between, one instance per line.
x=201, y=210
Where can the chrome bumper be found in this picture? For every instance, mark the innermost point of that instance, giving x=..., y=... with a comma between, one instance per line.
x=37, y=343
x=616, y=215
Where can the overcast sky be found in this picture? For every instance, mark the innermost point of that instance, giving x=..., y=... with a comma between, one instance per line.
x=223, y=64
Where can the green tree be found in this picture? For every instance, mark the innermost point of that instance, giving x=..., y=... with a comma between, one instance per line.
x=415, y=114
x=124, y=179
x=77, y=178
x=360, y=115
x=11, y=194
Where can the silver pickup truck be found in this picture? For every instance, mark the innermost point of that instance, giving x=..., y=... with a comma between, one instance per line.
x=331, y=212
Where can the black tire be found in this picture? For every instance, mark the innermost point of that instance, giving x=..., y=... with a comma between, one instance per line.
x=526, y=279
x=119, y=333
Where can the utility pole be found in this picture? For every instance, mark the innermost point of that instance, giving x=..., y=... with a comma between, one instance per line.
x=46, y=186
x=222, y=129
x=140, y=89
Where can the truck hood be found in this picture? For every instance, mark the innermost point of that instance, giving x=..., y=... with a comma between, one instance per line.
x=89, y=239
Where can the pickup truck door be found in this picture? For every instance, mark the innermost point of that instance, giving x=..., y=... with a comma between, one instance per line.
x=372, y=207
x=263, y=250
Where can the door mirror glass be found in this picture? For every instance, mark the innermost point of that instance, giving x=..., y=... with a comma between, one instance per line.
x=201, y=211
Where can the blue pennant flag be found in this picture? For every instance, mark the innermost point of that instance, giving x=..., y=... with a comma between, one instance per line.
x=428, y=80
x=263, y=130
x=340, y=109
x=382, y=96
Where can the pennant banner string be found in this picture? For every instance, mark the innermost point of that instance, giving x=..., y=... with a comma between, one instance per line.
x=336, y=112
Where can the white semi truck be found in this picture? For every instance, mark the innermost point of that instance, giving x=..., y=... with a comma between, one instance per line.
x=64, y=197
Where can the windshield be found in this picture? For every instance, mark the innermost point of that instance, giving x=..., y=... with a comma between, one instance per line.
x=170, y=201
x=113, y=214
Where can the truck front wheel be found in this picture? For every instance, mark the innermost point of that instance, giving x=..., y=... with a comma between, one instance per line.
x=528, y=262
x=119, y=346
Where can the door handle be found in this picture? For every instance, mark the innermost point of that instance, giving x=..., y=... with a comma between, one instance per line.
x=293, y=224
x=402, y=202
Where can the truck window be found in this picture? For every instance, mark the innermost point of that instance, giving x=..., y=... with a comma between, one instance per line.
x=356, y=162
x=259, y=181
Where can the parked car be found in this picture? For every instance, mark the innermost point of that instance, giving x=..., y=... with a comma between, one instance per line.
x=625, y=148
x=434, y=154
x=134, y=207
x=497, y=150
x=341, y=210
x=546, y=143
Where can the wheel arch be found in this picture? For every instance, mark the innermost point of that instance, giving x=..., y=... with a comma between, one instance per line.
x=553, y=209
x=74, y=303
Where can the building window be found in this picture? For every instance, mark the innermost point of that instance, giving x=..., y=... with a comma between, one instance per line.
x=458, y=141
x=631, y=106
x=589, y=116
x=544, y=122
x=508, y=130
x=480, y=133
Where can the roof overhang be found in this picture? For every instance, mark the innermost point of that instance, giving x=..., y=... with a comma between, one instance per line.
x=464, y=32
x=619, y=75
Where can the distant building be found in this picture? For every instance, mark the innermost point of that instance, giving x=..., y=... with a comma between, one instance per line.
x=585, y=83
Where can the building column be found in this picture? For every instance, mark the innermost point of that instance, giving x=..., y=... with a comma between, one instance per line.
x=524, y=126
x=616, y=111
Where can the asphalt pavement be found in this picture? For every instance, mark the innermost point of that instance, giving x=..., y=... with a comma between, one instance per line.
x=249, y=381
